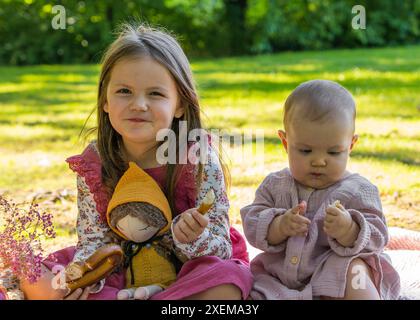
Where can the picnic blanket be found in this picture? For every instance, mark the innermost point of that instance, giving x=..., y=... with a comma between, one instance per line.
x=403, y=249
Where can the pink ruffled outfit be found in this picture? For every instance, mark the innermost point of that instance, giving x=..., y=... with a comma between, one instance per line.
x=219, y=256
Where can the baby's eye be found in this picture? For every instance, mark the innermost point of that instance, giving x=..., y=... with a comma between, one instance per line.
x=124, y=91
x=305, y=151
x=334, y=153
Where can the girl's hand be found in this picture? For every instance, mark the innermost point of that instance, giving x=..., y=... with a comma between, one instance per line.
x=190, y=225
x=294, y=223
x=79, y=294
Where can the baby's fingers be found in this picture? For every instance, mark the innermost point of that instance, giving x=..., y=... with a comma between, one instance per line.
x=332, y=211
x=297, y=228
x=301, y=220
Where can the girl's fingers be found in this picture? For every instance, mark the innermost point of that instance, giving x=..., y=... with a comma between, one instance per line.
x=202, y=220
x=185, y=229
x=180, y=233
x=85, y=293
x=74, y=295
x=191, y=222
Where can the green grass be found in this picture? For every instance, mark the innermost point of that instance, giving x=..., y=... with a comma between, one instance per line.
x=44, y=107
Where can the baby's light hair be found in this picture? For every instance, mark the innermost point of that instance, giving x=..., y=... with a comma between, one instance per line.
x=317, y=100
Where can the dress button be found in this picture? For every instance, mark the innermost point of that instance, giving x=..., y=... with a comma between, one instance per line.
x=294, y=260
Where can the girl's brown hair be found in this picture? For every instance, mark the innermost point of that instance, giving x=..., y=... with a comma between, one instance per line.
x=138, y=41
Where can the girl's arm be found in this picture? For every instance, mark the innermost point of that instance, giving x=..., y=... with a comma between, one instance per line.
x=215, y=239
x=91, y=230
x=261, y=216
x=366, y=210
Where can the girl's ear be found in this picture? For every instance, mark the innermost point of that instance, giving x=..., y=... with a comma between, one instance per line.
x=106, y=109
x=282, y=135
x=353, y=141
x=179, y=111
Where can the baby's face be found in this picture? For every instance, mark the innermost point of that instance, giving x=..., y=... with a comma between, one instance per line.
x=318, y=152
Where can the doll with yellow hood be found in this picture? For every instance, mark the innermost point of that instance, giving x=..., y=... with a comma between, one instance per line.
x=140, y=213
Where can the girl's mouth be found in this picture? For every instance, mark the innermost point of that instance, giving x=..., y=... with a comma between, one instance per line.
x=136, y=120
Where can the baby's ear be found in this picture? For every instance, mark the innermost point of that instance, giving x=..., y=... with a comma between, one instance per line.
x=353, y=141
x=282, y=135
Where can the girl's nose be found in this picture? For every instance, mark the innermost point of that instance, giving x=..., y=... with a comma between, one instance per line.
x=139, y=104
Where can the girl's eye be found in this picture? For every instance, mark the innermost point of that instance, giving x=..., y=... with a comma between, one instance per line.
x=156, y=93
x=305, y=151
x=334, y=153
x=124, y=91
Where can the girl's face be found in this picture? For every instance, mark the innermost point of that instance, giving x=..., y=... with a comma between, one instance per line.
x=318, y=152
x=142, y=98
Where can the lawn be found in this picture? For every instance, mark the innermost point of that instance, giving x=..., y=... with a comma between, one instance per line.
x=43, y=108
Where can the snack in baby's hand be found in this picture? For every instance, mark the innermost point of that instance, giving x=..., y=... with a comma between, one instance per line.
x=337, y=204
x=208, y=202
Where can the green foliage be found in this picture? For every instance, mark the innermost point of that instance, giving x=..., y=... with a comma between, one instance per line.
x=205, y=27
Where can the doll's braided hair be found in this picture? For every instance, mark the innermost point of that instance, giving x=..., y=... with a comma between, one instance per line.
x=145, y=211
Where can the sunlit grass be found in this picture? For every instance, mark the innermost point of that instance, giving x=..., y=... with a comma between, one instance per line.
x=43, y=108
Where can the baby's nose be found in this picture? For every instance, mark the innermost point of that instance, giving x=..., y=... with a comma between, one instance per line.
x=319, y=163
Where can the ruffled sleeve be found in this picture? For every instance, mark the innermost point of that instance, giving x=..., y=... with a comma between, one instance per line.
x=88, y=166
x=92, y=201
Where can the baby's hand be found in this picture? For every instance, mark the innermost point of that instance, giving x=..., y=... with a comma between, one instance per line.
x=338, y=222
x=190, y=225
x=294, y=223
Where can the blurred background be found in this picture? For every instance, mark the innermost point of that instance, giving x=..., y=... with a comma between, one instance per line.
x=246, y=55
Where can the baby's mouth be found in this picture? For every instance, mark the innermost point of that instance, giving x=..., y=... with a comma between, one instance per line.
x=316, y=175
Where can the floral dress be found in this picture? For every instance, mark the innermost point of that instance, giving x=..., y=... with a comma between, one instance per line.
x=219, y=250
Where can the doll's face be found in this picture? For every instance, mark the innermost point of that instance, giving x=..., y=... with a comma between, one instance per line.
x=136, y=229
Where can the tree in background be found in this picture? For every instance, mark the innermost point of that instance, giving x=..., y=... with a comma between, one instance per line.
x=204, y=27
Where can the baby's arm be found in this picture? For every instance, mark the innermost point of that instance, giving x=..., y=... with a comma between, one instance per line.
x=370, y=233
x=339, y=224
x=291, y=223
x=215, y=239
x=261, y=220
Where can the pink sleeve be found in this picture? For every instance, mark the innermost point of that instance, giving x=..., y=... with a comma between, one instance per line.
x=257, y=217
